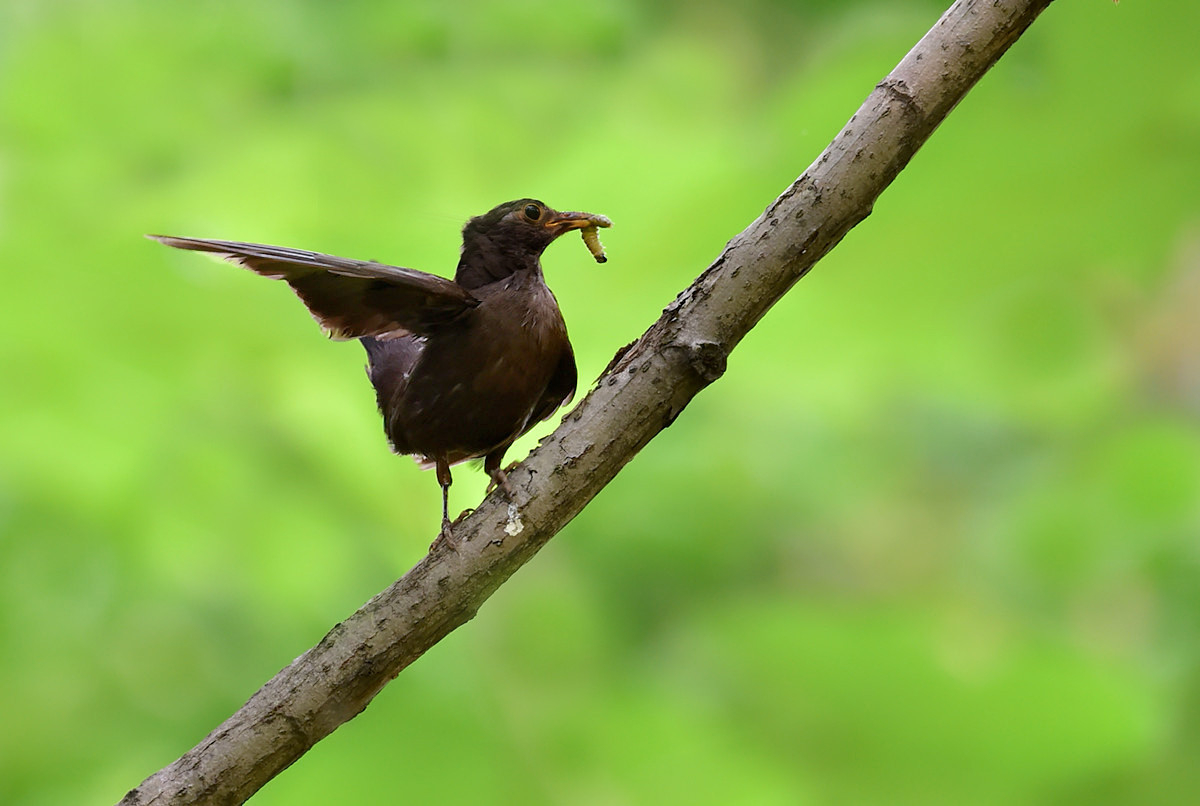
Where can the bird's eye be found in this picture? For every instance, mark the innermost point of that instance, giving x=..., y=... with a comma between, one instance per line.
x=532, y=212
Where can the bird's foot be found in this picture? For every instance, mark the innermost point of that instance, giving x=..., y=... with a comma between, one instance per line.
x=445, y=536
x=500, y=479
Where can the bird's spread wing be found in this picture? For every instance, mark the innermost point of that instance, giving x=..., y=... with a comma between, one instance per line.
x=349, y=298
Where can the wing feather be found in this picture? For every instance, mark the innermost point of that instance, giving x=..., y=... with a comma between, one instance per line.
x=349, y=298
x=560, y=390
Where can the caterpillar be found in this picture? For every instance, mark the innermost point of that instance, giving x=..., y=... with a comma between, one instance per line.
x=591, y=237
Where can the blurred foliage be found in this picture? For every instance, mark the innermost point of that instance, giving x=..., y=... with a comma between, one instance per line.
x=934, y=538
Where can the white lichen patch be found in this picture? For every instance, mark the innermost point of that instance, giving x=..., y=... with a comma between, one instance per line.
x=514, y=526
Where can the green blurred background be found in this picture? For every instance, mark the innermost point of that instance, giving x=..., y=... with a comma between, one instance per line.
x=933, y=539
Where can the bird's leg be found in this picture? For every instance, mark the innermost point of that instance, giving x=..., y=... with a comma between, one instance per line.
x=491, y=466
x=445, y=480
x=491, y=463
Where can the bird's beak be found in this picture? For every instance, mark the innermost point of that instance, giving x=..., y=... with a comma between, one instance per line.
x=564, y=222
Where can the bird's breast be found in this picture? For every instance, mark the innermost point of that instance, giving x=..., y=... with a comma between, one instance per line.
x=475, y=385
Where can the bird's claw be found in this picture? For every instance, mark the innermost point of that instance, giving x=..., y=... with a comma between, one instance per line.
x=500, y=479
x=445, y=537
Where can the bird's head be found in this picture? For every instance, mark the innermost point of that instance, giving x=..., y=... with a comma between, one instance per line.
x=511, y=237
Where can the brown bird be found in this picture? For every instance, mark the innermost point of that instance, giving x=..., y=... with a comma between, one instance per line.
x=461, y=368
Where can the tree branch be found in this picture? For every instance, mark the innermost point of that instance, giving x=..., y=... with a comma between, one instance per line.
x=643, y=390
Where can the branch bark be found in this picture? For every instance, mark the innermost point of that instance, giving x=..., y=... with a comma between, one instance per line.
x=643, y=390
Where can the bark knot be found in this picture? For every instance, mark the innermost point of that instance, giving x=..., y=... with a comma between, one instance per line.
x=708, y=359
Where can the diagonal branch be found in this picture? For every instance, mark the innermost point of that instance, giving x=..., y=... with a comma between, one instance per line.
x=643, y=390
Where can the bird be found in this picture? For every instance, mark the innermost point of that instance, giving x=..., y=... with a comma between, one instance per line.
x=461, y=368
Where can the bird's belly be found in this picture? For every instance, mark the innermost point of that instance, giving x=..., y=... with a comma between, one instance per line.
x=474, y=389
